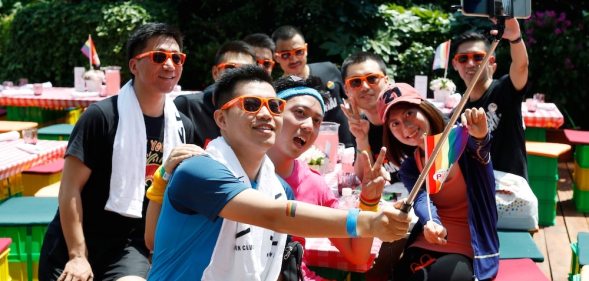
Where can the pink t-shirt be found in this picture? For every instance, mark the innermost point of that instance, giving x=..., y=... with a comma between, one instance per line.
x=309, y=186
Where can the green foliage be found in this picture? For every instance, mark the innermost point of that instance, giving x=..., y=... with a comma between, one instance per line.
x=46, y=37
x=405, y=38
x=559, y=61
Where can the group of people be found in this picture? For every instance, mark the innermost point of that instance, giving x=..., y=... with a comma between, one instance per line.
x=206, y=186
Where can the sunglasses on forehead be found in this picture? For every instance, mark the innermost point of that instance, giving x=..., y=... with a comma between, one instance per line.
x=370, y=79
x=161, y=57
x=253, y=104
x=465, y=57
x=265, y=63
x=294, y=52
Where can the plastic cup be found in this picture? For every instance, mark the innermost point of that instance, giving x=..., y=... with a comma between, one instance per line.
x=30, y=135
x=113, y=80
x=328, y=142
x=531, y=104
x=38, y=89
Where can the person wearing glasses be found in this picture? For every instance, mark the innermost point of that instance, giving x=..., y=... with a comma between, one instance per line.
x=302, y=118
x=500, y=98
x=455, y=238
x=291, y=54
x=225, y=213
x=199, y=107
x=365, y=76
x=113, y=152
x=264, y=48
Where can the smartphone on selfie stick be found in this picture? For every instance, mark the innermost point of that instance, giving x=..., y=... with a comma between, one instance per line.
x=500, y=10
x=519, y=9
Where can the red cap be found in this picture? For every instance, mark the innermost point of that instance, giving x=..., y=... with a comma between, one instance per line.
x=393, y=94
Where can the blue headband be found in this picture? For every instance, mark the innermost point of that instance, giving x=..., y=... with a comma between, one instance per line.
x=302, y=91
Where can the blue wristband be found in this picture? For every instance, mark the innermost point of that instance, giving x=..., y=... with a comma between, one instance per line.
x=352, y=222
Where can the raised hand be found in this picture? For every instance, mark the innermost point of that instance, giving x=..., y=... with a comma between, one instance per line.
x=358, y=126
x=475, y=121
x=373, y=176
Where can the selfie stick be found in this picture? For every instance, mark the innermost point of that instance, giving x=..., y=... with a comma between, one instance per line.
x=457, y=111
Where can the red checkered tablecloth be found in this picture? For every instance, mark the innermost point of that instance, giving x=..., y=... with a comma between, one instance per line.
x=320, y=252
x=52, y=98
x=546, y=115
x=15, y=160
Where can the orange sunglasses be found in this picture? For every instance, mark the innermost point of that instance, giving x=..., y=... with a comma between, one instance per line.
x=228, y=65
x=265, y=63
x=371, y=79
x=465, y=57
x=252, y=104
x=294, y=52
x=161, y=57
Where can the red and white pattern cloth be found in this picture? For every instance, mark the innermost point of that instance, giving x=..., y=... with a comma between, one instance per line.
x=546, y=115
x=52, y=98
x=15, y=160
x=320, y=252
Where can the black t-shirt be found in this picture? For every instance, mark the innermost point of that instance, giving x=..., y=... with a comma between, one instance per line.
x=92, y=142
x=332, y=80
x=199, y=108
x=375, y=133
x=502, y=103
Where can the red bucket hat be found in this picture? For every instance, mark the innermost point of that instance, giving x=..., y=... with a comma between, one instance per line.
x=393, y=94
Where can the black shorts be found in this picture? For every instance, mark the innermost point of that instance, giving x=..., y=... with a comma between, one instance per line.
x=110, y=260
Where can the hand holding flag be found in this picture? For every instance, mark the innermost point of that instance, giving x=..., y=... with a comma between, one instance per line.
x=89, y=51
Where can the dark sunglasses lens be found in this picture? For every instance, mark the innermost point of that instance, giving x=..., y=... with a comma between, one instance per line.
x=267, y=64
x=159, y=57
x=275, y=106
x=372, y=79
x=251, y=104
x=299, y=53
x=462, y=58
x=230, y=66
x=285, y=56
x=356, y=82
x=176, y=58
x=478, y=57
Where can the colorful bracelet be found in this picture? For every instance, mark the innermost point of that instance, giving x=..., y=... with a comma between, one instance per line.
x=291, y=209
x=364, y=207
x=352, y=222
x=369, y=202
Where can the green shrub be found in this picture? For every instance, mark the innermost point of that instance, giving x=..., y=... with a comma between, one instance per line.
x=45, y=38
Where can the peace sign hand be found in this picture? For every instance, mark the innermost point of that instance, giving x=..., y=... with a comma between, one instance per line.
x=373, y=176
x=358, y=126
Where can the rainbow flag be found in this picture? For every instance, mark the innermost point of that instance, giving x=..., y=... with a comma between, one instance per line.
x=449, y=153
x=89, y=51
x=442, y=56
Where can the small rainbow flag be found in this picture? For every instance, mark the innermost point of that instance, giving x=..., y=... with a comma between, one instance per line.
x=442, y=56
x=448, y=155
x=89, y=51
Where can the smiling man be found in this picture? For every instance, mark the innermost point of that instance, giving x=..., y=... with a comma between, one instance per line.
x=291, y=54
x=500, y=98
x=224, y=213
x=113, y=152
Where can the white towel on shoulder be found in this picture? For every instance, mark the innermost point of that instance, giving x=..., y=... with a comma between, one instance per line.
x=243, y=251
x=127, y=179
